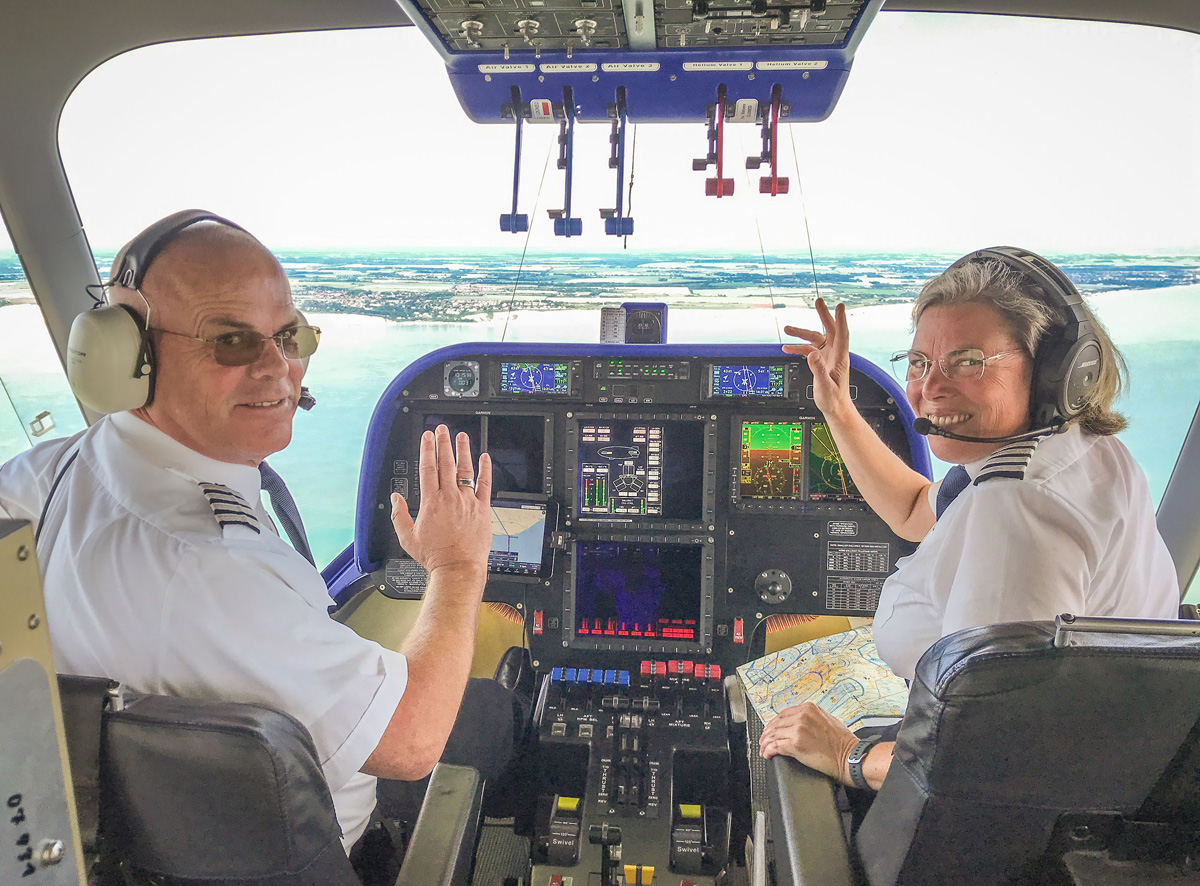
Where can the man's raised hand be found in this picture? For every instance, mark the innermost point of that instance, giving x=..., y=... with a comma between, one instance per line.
x=454, y=525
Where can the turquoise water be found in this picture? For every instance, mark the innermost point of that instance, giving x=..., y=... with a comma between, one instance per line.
x=1158, y=331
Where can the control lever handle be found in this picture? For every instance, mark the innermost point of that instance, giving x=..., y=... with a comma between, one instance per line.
x=608, y=838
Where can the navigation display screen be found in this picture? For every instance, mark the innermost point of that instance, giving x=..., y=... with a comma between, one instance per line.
x=828, y=479
x=748, y=381
x=638, y=590
x=518, y=538
x=535, y=378
x=772, y=460
x=634, y=469
x=517, y=445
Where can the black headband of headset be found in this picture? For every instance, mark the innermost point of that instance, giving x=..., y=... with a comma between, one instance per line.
x=139, y=252
x=1057, y=286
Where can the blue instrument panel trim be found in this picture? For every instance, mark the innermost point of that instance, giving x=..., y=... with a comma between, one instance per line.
x=393, y=400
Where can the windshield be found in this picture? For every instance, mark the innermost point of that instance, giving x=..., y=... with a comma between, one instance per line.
x=35, y=402
x=348, y=155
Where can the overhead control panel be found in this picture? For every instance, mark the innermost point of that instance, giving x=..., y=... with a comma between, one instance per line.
x=648, y=501
x=667, y=57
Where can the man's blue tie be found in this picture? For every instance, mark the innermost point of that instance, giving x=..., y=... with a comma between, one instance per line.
x=956, y=480
x=285, y=509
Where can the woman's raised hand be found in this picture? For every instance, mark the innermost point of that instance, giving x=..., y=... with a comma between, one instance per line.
x=828, y=355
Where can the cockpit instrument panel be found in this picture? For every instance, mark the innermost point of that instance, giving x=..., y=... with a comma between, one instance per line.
x=647, y=500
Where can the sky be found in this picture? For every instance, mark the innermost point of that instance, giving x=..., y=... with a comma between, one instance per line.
x=953, y=132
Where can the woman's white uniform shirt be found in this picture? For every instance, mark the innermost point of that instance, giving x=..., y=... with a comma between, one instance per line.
x=1075, y=534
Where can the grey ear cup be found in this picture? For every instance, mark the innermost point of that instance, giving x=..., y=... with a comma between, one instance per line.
x=110, y=364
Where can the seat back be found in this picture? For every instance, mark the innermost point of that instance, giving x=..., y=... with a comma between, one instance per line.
x=211, y=793
x=1006, y=734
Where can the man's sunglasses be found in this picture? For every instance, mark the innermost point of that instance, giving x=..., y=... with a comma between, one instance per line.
x=245, y=347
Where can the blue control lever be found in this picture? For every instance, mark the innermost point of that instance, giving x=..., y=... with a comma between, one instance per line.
x=615, y=220
x=564, y=224
x=512, y=221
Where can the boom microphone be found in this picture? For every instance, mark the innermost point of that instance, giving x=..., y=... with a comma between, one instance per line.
x=925, y=427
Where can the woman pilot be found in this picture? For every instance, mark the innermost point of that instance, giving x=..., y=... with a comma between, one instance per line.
x=1017, y=530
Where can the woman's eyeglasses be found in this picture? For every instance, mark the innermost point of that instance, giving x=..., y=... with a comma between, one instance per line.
x=245, y=347
x=963, y=364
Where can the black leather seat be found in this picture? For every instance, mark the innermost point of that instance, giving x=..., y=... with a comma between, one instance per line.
x=210, y=793
x=1019, y=761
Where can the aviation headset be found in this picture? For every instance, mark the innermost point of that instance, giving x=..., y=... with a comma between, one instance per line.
x=1066, y=367
x=110, y=357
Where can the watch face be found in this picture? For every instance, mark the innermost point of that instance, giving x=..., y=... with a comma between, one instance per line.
x=643, y=327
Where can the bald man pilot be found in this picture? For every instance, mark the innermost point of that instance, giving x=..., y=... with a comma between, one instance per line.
x=163, y=570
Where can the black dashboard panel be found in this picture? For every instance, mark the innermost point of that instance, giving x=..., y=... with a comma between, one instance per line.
x=692, y=495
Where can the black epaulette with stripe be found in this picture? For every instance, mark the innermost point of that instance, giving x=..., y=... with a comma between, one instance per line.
x=229, y=507
x=1010, y=461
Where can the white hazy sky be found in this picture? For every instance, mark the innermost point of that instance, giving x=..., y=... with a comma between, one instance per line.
x=952, y=133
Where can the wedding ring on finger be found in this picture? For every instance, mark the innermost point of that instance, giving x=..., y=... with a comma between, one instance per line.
x=466, y=481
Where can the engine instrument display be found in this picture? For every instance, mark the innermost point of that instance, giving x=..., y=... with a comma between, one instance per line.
x=748, y=381
x=772, y=460
x=535, y=378
x=635, y=469
x=639, y=590
x=828, y=479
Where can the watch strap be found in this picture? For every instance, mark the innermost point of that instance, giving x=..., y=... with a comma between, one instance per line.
x=854, y=762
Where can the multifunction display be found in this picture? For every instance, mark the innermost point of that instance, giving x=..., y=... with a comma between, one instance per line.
x=640, y=590
x=748, y=381
x=772, y=460
x=640, y=469
x=535, y=378
x=828, y=479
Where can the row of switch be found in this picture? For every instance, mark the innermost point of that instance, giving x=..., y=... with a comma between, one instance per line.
x=676, y=668
x=595, y=676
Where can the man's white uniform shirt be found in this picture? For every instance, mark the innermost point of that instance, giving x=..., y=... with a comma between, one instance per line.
x=1076, y=535
x=145, y=586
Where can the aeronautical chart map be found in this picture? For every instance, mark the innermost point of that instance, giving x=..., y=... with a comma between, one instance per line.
x=841, y=673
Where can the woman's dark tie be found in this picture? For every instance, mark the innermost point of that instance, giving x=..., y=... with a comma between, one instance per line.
x=285, y=509
x=956, y=480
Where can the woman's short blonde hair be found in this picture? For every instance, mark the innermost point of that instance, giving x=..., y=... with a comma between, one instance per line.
x=1029, y=315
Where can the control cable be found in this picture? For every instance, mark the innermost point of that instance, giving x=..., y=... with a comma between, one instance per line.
x=629, y=198
x=528, y=233
x=804, y=211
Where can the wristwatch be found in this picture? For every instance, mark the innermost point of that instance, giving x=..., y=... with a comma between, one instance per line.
x=854, y=762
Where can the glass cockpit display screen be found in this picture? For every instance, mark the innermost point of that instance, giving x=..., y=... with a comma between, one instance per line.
x=644, y=590
x=518, y=538
x=828, y=479
x=772, y=460
x=535, y=378
x=638, y=469
x=748, y=381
